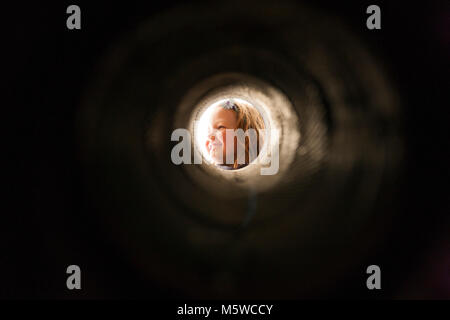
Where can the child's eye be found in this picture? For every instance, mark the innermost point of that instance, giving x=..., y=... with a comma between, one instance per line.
x=220, y=127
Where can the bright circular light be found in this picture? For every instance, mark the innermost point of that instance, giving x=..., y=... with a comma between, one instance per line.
x=201, y=126
x=281, y=133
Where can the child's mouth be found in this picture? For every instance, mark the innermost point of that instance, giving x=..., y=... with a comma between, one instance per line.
x=213, y=146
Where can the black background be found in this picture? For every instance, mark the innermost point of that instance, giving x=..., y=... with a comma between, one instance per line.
x=47, y=68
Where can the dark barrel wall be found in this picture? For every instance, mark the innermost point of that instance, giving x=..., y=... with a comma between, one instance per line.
x=358, y=189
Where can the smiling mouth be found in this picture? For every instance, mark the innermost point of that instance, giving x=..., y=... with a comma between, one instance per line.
x=212, y=149
x=213, y=146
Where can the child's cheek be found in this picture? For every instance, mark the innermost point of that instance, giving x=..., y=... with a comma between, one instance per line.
x=224, y=139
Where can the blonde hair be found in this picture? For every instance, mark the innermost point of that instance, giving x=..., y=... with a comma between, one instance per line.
x=247, y=117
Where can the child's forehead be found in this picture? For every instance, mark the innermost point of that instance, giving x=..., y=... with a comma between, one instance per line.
x=221, y=114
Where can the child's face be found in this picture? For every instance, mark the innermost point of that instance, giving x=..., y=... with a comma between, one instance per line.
x=221, y=119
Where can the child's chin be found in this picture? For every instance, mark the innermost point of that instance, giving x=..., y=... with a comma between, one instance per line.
x=217, y=162
x=216, y=159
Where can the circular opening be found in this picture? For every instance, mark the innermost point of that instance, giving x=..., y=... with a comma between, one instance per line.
x=231, y=133
x=280, y=137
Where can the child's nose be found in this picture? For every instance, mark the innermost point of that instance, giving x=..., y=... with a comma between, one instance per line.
x=212, y=136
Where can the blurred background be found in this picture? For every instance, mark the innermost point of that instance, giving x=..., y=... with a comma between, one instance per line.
x=89, y=118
